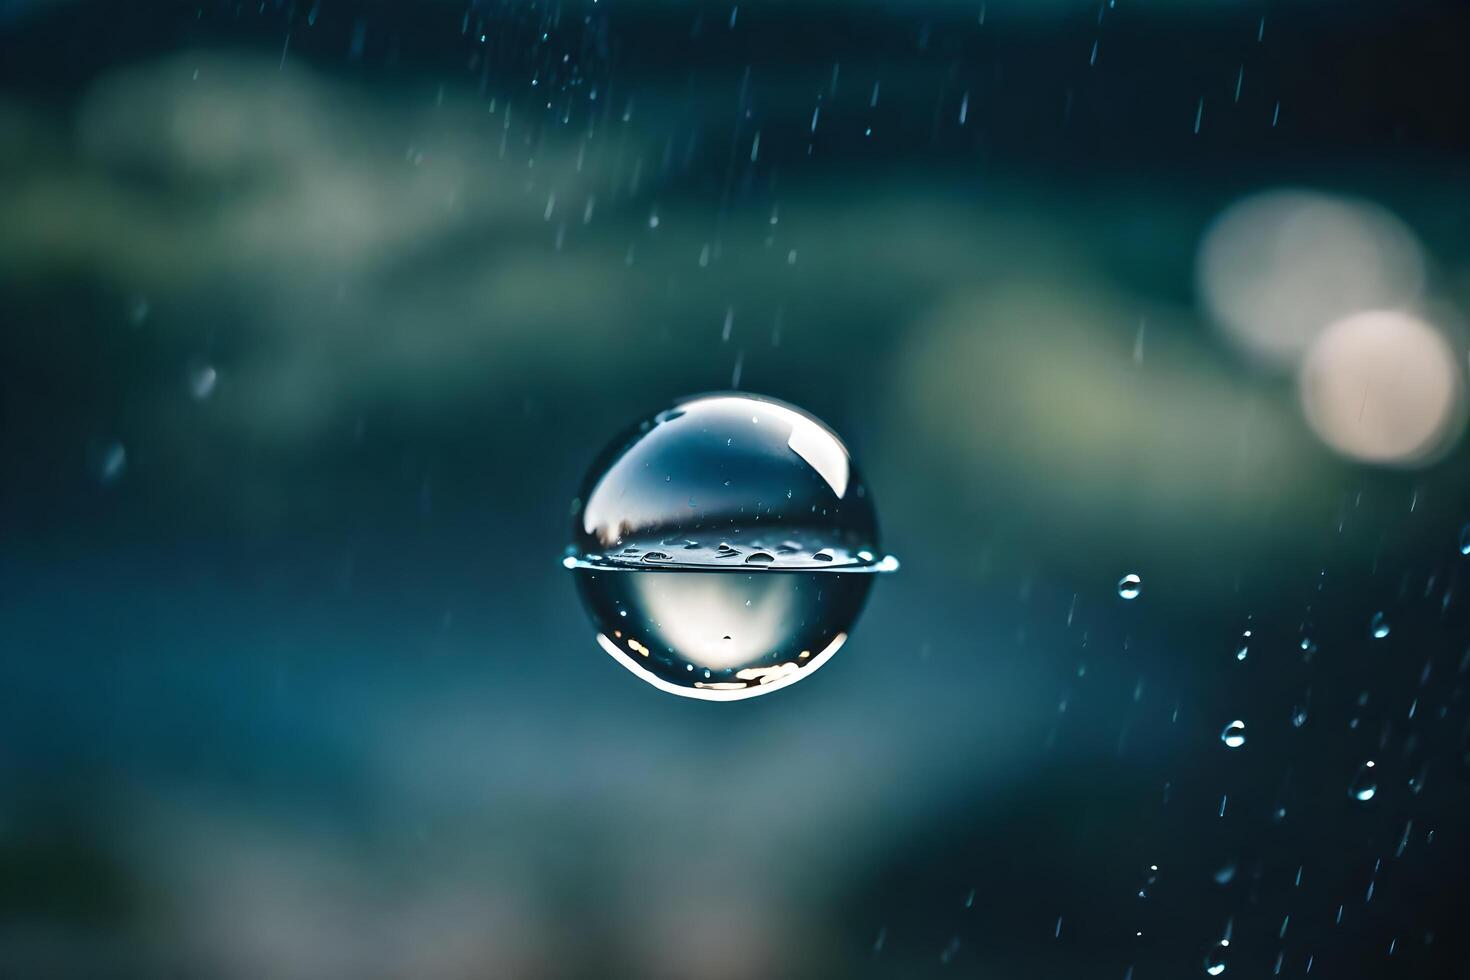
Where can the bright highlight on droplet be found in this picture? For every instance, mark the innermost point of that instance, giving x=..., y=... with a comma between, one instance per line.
x=1275, y=269
x=1383, y=387
x=1129, y=586
x=724, y=547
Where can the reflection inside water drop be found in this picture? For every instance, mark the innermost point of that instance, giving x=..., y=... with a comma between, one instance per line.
x=744, y=631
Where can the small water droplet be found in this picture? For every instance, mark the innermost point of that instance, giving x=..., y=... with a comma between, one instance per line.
x=760, y=558
x=655, y=556
x=201, y=379
x=1365, y=784
x=1379, y=626
x=1234, y=734
x=1215, y=958
x=1129, y=586
x=1298, y=716
x=112, y=463
x=1465, y=540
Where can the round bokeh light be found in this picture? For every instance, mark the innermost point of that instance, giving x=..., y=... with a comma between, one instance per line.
x=1276, y=268
x=1383, y=387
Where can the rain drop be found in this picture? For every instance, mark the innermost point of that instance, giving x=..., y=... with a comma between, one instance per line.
x=1365, y=785
x=1379, y=626
x=1215, y=958
x=201, y=379
x=1234, y=734
x=112, y=463
x=1129, y=586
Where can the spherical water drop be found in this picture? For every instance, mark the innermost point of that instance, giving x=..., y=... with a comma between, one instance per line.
x=1298, y=716
x=1234, y=734
x=1365, y=784
x=1129, y=586
x=1465, y=540
x=777, y=547
x=1379, y=626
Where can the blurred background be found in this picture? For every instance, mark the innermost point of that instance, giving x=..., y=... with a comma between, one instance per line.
x=313, y=313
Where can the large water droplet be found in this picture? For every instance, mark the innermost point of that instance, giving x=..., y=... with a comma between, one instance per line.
x=781, y=546
x=1365, y=784
x=1129, y=586
x=1379, y=626
x=1234, y=734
